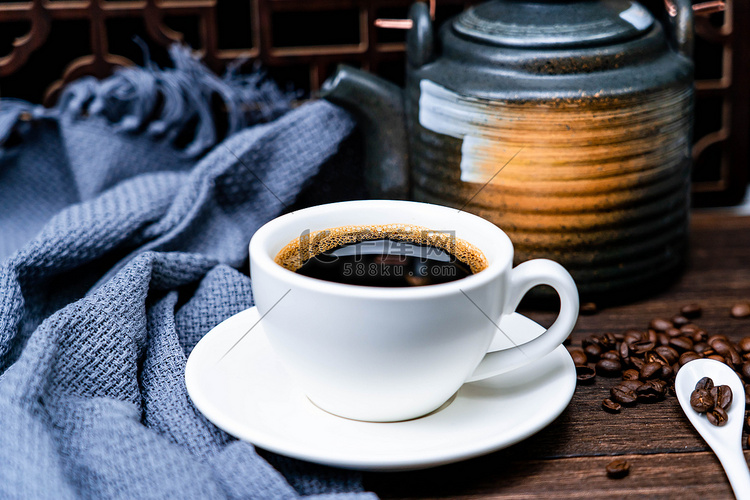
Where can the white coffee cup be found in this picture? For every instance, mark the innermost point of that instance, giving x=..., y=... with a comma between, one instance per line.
x=389, y=354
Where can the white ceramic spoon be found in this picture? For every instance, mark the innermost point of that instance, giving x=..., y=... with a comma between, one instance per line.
x=726, y=441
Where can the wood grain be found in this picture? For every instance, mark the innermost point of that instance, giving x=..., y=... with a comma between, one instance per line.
x=568, y=458
x=661, y=475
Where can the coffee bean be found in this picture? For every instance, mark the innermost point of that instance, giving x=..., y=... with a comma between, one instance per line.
x=679, y=320
x=588, y=308
x=744, y=344
x=691, y=311
x=654, y=357
x=624, y=351
x=617, y=469
x=673, y=332
x=681, y=343
x=630, y=374
x=631, y=384
x=608, y=341
x=704, y=384
x=651, y=391
x=637, y=363
x=702, y=348
x=608, y=367
x=650, y=370
x=613, y=355
x=633, y=336
x=714, y=338
x=690, y=327
x=701, y=400
x=747, y=395
x=722, y=396
x=669, y=354
x=688, y=356
x=717, y=416
x=698, y=336
x=643, y=346
x=585, y=374
x=667, y=372
x=660, y=324
x=610, y=406
x=726, y=349
x=745, y=370
x=741, y=310
x=659, y=386
x=590, y=340
x=593, y=351
x=579, y=357
x=623, y=395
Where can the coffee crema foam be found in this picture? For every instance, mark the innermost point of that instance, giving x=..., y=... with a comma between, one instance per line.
x=309, y=245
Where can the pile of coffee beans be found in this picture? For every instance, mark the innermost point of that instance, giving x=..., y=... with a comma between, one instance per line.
x=712, y=400
x=648, y=359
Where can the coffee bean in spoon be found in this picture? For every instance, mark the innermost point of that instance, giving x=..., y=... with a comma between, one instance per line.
x=701, y=400
x=717, y=416
x=722, y=396
x=713, y=400
x=705, y=384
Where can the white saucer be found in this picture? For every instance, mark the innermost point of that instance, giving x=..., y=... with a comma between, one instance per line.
x=250, y=396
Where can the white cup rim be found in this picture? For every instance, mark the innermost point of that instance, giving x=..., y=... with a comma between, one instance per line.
x=261, y=255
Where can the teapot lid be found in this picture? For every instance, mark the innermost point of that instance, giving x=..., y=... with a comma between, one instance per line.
x=553, y=23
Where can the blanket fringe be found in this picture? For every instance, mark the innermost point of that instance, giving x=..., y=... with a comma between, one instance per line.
x=187, y=105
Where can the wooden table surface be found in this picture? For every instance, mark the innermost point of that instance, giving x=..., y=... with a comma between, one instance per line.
x=567, y=459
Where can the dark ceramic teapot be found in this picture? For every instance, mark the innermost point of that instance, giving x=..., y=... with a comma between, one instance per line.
x=566, y=123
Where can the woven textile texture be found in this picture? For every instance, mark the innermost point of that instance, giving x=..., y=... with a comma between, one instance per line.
x=125, y=214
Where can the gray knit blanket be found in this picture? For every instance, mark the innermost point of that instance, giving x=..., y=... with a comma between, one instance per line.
x=125, y=214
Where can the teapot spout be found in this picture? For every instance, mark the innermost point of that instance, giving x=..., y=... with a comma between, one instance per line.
x=378, y=106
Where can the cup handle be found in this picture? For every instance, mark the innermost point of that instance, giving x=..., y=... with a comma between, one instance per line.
x=522, y=278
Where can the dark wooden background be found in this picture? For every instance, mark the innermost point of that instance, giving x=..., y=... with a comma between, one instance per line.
x=568, y=458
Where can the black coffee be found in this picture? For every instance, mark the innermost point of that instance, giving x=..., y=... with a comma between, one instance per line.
x=392, y=255
x=386, y=263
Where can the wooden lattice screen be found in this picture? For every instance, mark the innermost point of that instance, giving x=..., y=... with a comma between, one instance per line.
x=47, y=43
